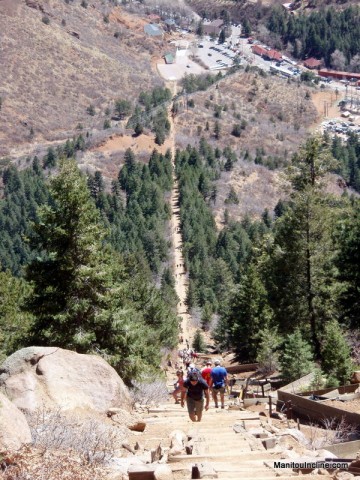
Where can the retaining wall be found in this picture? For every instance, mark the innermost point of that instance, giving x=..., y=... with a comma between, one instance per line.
x=316, y=411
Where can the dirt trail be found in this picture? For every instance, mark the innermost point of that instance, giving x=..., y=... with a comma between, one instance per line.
x=180, y=274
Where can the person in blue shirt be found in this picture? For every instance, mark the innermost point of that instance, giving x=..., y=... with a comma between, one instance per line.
x=218, y=383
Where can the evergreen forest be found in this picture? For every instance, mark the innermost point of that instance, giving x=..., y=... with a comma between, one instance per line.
x=88, y=268
x=328, y=34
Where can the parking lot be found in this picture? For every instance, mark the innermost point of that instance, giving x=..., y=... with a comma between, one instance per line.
x=343, y=128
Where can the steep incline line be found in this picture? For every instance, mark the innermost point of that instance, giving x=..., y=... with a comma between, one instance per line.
x=181, y=279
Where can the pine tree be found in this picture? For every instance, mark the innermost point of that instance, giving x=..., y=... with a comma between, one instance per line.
x=348, y=261
x=199, y=343
x=301, y=279
x=217, y=130
x=296, y=359
x=267, y=354
x=335, y=351
x=248, y=313
x=13, y=322
x=70, y=278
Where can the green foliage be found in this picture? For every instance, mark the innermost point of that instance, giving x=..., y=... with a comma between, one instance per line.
x=232, y=197
x=151, y=112
x=247, y=314
x=138, y=228
x=192, y=83
x=200, y=29
x=46, y=20
x=319, y=380
x=347, y=262
x=296, y=359
x=91, y=110
x=347, y=153
x=320, y=33
x=336, y=361
x=307, y=77
x=13, y=321
x=23, y=192
x=122, y=108
x=217, y=130
x=206, y=316
x=69, y=278
x=246, y=27
x=85, y=297
x=222, y=36
x=236, y=130
x=267, y=352
x=199, y=344
x=138, y=130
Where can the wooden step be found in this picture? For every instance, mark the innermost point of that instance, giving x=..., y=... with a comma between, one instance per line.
x=235, y=457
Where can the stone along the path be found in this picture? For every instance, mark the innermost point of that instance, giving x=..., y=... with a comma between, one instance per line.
x=212, y=447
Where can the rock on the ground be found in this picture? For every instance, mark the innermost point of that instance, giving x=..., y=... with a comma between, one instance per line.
x=47, y=376
x=133, y=421
x=343, y=476
x=14, y=430
x=163, y=472
x=177, y=445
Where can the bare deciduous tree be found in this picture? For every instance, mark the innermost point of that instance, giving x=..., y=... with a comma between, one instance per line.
x=338, y=60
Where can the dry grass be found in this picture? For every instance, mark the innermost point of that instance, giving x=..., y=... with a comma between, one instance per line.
x=50, y=77
x=277, y=115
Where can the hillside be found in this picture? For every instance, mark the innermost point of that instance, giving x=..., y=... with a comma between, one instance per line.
x=274, y=117
x=59, y=58
x=255, y=10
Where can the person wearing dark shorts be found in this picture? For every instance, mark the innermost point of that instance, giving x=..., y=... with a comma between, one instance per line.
x=195, y=390
x=218, y=383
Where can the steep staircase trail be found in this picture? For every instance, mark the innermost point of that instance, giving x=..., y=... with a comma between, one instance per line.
x=212, y=445
x=181, y=279
x=216, y=449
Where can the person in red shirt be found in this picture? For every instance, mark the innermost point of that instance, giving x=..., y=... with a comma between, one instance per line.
x=206, y=372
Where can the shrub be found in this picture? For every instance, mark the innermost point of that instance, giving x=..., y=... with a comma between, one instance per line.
x=94, y=441
x=149, y=391
x=236, y=130
x=91, y=110
x=45, y=19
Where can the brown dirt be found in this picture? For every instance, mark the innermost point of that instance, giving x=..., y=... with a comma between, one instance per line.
x=142, y=143
x=52, y=73
x=326, y=99
x=350, y=406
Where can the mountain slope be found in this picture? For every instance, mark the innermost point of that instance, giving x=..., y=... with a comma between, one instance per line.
x=59, y=58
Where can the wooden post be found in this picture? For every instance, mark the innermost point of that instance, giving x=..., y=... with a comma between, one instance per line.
x=270, y=405
x=298, y=423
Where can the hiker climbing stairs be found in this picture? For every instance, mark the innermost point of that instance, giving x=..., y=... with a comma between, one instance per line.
x=227, y=444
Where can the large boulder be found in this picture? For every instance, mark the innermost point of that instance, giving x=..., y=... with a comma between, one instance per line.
x=52, y=377
x=14, y=430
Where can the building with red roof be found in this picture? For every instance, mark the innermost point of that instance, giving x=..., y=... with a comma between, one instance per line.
x=312, y=63
x=267, y=54
x=339, y=75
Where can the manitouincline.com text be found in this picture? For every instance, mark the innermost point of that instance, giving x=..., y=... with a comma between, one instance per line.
x=311, y=465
